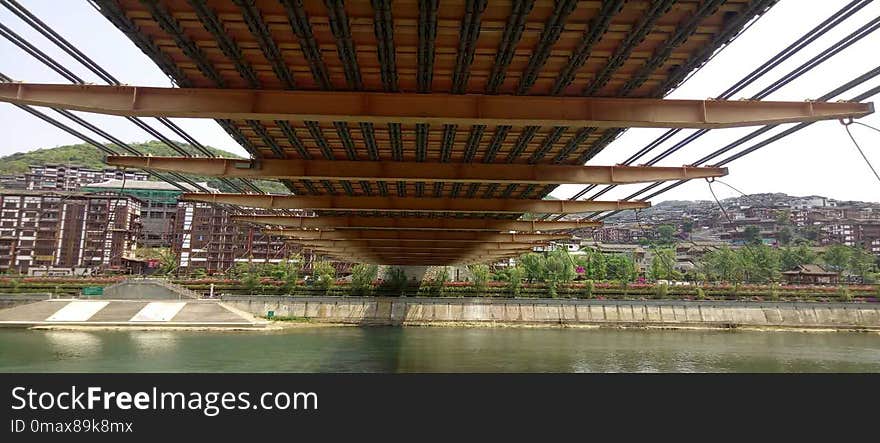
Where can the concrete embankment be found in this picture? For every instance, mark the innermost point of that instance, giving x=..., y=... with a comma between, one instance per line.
x=11, y=300
x=126, y=314
x=564, y=312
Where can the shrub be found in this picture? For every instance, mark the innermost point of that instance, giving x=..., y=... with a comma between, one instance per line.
x=734, y=291
x=362, y=276
x=396, y=281
x=513, y=276
x=324, y=274
x=587, y=290
x=481, y=276
x=551, y=288
x=250, y=282
x=661, y=291
x=701, y=294
x=844, y=294
x=774, y=292
x=434, y=283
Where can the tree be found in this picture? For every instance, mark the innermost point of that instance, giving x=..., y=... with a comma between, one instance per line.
x=287, y=272
x=837, y=258
x=722, y=264
x=760, y=263
x=688, y=227
x=595, y=265
x=621, y=267
x=533, y=265
x=362, y=276
x=559, y=268
x=783, y=217
x=663, y=264
x=784, y=236
x=861, y=262
x=324, y=274
x=513, y=276
x=436, y=283
x=790, y=257
x=481, y=276
x=752, y=235
x=560, y=265
x=666, y=234
x=250, y=282
x=397, y=281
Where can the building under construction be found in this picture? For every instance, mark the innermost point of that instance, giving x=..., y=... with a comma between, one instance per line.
x=72, y=177
x=67, y=233
x=159, y=210
x=420, y=133
x=206, y=238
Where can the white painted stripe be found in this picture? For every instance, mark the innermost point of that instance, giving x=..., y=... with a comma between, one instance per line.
x=78, y=311
x=158, y=311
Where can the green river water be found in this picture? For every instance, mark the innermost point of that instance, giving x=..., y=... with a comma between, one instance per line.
x=351, y=349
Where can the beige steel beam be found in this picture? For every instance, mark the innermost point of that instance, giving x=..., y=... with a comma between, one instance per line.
x=296, y=169
x=413, y=204
x=415, y=255
x=410, y=259
x=465, y=236
x=422, y=246
x=415, y=223
x=409, y=108
x=370, y=244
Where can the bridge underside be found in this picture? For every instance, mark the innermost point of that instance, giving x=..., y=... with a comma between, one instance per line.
x=425, y=133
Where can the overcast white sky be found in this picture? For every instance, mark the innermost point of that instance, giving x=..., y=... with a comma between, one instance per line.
x=818, y=160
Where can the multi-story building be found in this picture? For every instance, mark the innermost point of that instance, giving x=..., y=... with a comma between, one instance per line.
x=869, y=236
x=13, y=182
x=160, y=206
x=72, y=177
x=206, y=238
x=67, y=233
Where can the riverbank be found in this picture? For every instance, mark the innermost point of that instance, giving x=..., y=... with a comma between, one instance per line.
x=512, y=312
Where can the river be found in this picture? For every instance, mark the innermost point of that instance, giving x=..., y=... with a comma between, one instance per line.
x=352, y=349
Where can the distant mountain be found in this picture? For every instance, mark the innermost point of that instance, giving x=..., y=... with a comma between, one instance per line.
x=88, y=156
x=85, y=155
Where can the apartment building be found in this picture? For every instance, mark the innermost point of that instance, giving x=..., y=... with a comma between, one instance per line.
x=206, y=238
x=159, y=206
x=67, y=233
x=72, y=177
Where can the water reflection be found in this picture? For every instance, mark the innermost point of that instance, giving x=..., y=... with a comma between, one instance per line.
x=72, y=345
x=438, y=350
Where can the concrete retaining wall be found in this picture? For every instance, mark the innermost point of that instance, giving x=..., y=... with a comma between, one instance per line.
x=421, y=311
x=10, y=300
x=141, y=290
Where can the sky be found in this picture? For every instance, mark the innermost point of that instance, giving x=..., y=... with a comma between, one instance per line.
x=818, y=160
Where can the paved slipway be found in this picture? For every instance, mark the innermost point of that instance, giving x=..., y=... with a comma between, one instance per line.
x=127, y=313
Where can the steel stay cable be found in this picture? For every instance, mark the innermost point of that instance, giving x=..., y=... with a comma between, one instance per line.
x=51, y=35
x=846, y=126
x=827, y=25
x=830, y=95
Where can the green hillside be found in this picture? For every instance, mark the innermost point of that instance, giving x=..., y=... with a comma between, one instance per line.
x=84, y=155
x=88, y=156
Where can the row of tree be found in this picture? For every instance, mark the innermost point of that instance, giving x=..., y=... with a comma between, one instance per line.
x=764, y=264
